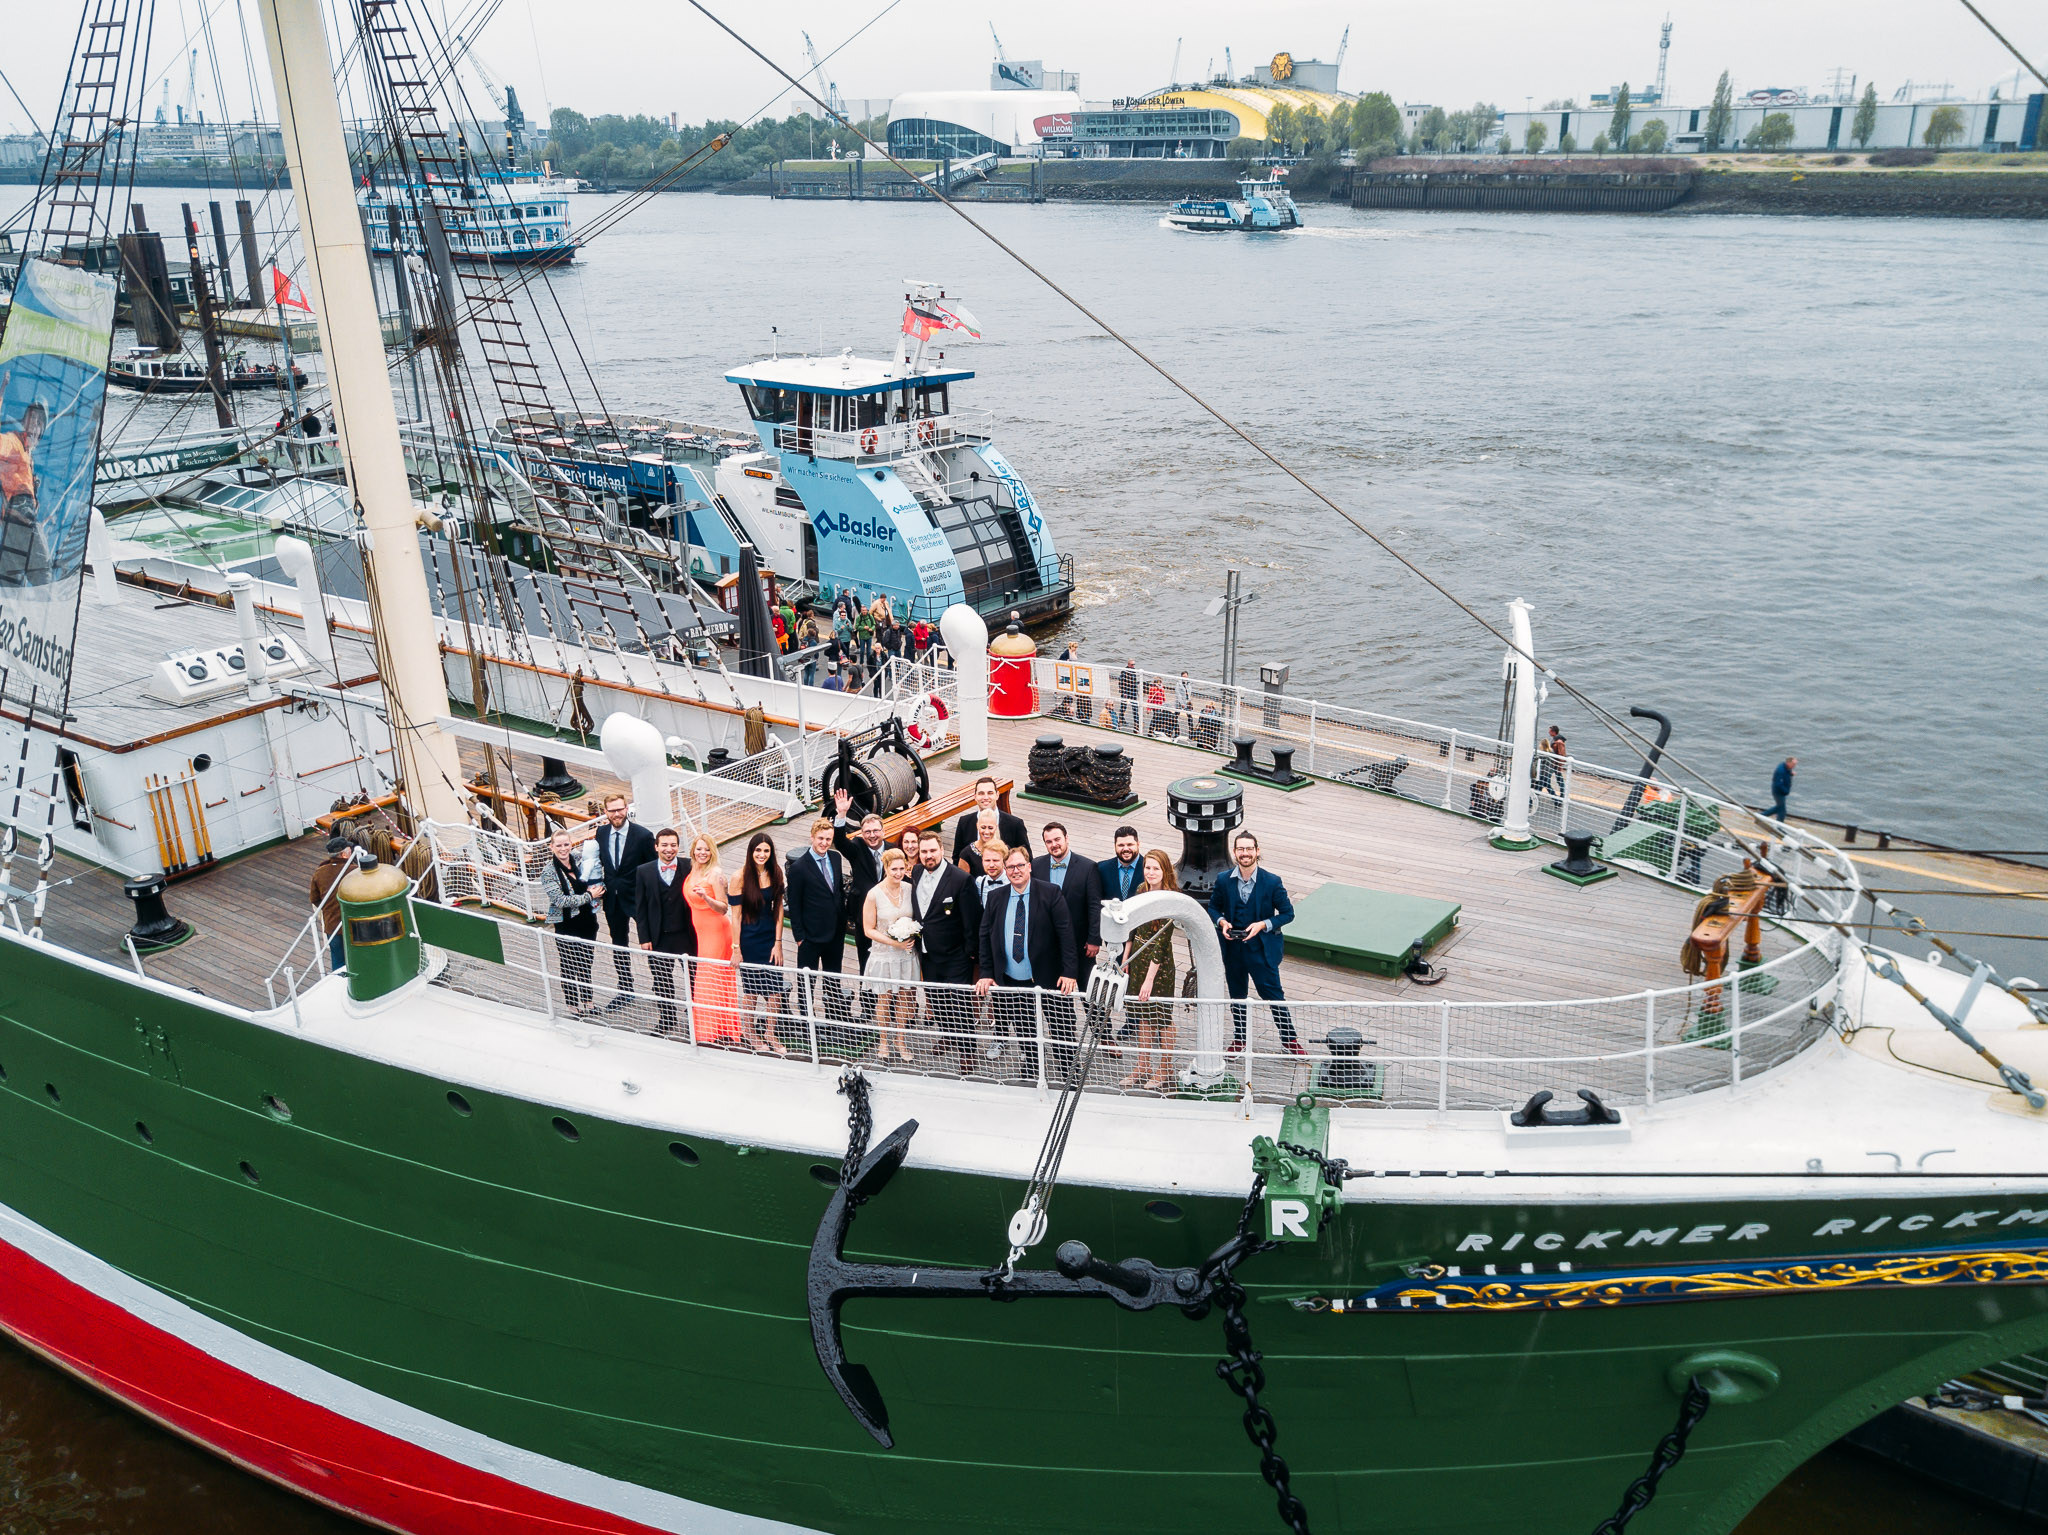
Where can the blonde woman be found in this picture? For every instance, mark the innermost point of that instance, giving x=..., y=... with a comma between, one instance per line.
x=714, y=993
x=1148, y=960
x=987, y=835
x=892, y=971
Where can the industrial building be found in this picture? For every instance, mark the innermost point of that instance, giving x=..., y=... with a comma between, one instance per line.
x=1817, y=126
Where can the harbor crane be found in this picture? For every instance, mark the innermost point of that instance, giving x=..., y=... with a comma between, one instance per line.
x=1173, y=74
x=828, y=87
x=504, y=97
x=1001, y=57
x=1342, y=43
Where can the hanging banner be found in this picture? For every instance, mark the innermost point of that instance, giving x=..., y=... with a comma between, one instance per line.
x=53, y=384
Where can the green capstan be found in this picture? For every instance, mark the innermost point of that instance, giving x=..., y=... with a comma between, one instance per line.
x=1299, y=1199
x=378, y=932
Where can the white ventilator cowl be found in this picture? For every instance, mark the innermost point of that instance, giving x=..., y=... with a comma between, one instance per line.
x=966, y=638
x=635, y=751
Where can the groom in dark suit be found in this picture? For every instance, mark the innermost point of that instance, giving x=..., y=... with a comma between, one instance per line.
x=948, y=912
x=1027, y=944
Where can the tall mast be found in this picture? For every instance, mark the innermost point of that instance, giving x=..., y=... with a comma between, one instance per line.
x=345, y=305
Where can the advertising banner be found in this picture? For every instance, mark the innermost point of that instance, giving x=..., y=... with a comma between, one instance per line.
x=53, y=384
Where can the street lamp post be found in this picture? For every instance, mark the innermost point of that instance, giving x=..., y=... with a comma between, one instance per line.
x=1233, y=598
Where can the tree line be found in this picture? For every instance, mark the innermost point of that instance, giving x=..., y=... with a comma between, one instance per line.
x=612, y=149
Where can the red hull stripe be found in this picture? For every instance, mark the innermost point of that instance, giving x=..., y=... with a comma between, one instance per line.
x=368, y=1455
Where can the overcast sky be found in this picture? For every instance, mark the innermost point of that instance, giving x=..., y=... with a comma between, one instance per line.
x=660, y=56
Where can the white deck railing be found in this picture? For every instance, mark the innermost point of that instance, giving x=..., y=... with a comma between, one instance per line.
x=1417, y=1054
x=1454, y=770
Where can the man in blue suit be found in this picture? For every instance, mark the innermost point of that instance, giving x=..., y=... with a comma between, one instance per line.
x=1250, y=905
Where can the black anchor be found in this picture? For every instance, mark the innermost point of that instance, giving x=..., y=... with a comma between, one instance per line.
x=1135, y=1283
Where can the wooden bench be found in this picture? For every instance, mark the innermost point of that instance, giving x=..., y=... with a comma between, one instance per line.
x=942, y=808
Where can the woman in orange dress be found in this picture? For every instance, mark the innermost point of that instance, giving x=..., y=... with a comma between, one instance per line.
x=714, y=986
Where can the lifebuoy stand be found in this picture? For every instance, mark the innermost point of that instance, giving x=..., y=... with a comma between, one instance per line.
x=1011, y=693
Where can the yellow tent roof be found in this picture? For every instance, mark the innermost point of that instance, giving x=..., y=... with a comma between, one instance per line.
x=1248, y=103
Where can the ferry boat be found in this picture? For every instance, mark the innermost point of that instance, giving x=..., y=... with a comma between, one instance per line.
x=1260, y=205
x=490, y=217
x=860, y=473
x=491, y=1228
x=148, y=370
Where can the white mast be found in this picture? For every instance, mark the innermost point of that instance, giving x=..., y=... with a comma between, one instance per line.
x=344, y=303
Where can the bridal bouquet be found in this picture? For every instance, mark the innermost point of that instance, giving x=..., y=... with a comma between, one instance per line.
x=903, y=929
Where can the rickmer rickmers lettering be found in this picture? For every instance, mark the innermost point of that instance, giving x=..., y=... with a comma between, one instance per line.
x=1746, y=1231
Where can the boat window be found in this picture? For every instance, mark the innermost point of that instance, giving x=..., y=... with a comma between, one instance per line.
x=869, y=410
x=931, y=399
x=533, y=213
x=769, y=404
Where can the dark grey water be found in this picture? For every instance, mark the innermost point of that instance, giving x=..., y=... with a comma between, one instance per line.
x=1779, y=478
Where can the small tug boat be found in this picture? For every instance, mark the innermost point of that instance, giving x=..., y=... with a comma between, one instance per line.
x=1260, y=205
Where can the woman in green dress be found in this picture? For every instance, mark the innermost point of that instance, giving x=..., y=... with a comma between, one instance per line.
x=1148, y=960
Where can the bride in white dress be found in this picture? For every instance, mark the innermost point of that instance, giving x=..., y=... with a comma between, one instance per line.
x=892, y=970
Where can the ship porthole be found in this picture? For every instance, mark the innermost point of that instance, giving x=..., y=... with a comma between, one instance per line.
x=142, y=1130
x=567, y=1131
x=829, y=1176
x=277, y=1107
x=1163, y=1210
x=3, y=1073
x=460, y=1104
x=683, y=1154
x=51, y=1089
x=250, y=1173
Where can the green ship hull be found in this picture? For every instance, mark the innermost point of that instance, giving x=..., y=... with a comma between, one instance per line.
x=632, y=1303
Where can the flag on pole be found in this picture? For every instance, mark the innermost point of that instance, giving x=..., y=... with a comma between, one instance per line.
x=924, y=318
x=288, y=294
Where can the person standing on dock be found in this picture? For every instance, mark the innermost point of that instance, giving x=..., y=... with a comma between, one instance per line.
x=1250, y=907
x=623, y=846
x=1781, y=786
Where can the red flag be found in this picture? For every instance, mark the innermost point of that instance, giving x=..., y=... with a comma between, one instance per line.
x=287, y=293
x=925, y=318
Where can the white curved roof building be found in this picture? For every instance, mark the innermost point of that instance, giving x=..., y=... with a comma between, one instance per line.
x=925, y=125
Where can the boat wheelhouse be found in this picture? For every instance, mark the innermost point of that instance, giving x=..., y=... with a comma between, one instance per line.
x=869, y=475
x=492, y=218
x=1263, y=205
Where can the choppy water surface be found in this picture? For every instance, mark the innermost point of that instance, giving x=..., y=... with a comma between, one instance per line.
x=1779, y=478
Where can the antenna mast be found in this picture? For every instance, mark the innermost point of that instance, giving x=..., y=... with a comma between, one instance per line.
x=1663, y=57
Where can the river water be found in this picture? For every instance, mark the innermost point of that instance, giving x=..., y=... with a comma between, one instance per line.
x=1777, y=477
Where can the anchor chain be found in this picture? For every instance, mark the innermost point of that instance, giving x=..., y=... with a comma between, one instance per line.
x=1244, y=1372
x=860, y=1124
x=1670, y=1450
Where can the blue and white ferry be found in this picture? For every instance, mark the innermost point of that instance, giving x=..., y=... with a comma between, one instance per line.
x=860, y=473
x=1263, y=205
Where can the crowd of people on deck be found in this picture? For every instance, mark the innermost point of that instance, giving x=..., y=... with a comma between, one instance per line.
x=974, y=939
x=847, y=647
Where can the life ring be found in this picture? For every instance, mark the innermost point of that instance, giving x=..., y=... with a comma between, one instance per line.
x=931, y=707
x=867, y=440
x=927, y=431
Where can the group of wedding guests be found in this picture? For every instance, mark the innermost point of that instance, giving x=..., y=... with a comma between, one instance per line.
x=986, y=923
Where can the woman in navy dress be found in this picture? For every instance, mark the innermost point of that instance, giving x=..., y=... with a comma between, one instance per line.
x=758, y=889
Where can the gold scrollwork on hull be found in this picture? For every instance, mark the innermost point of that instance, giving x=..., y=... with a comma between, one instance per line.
x=1909, y=1270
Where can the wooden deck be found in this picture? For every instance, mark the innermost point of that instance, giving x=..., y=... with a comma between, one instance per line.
x=1522, y=936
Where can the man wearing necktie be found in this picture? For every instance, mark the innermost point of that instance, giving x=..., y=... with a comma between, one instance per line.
x=859, y=841
x=1027, y=947
x=1123, y=876
x=623, y=847
x=1076, y=881
x=666, y=926
x=816, y=882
